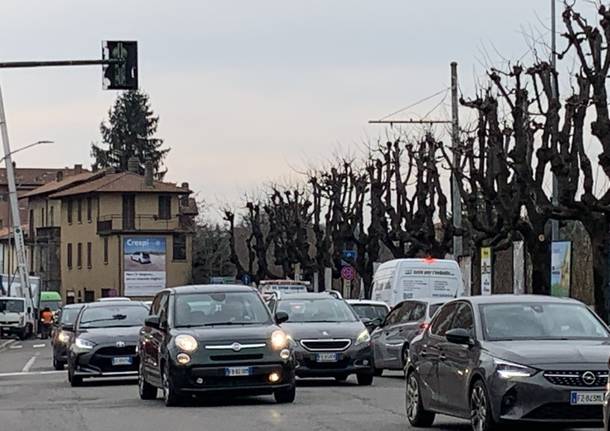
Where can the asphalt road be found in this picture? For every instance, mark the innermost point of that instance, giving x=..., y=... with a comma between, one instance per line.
x=35, y=397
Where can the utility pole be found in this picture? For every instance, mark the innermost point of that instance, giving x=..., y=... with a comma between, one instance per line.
x=555, y=92
x=456, y=202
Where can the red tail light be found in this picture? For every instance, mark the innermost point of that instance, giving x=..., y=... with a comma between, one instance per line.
x=429, y=260
x=423, y=326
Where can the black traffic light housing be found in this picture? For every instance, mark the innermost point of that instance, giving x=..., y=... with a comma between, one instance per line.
x=121, y=73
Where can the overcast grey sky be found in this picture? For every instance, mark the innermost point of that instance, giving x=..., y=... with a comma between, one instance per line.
x=247, y=90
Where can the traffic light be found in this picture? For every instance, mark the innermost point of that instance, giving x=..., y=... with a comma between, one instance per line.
x=122, y=72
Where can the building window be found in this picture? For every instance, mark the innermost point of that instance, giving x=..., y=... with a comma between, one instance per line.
x=89, y=209
x=106, y=250
x=89, y=295
x=79, y=255
x=165, y=207
x=79, y=211
x=51, y=217
x=88, y=255
x=69, y=257
x=42, y=217
x=129, y=212
x=179, y=249
x=31, y=224
x=70, y=211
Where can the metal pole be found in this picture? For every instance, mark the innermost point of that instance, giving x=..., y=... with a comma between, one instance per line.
x=456, y=203
x=554, y=223
x=25, y=288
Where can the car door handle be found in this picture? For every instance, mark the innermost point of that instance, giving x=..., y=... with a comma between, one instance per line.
x=442, y=358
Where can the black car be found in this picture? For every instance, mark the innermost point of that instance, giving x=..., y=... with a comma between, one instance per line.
x=209, y=339
x=510, y=358
x=330, y=339
x=62, y=336
x=105, y=340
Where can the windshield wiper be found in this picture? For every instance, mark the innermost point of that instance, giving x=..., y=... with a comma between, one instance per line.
x=115, y=317
x=229, y=323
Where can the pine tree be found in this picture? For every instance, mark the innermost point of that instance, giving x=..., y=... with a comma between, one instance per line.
x=130, y=132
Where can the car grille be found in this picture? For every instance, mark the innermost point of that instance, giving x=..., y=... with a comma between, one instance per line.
x=117, y=351
x=326, y=345
x=575, y=378
x=563, y=411
x=314, y=365
x=235, y=358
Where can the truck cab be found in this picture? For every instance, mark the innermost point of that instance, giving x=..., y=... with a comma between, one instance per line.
x=16, y=317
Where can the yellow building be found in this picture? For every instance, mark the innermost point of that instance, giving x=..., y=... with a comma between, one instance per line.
x=111, y=234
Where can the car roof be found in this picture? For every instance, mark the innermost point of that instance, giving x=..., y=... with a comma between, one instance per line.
x=309, y=295
x=73, y=306
x=508, y=298
x=109, y=304
x=210, y=288
x=366, y=302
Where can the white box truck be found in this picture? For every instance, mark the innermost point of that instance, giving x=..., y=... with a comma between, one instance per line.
x=400, y=279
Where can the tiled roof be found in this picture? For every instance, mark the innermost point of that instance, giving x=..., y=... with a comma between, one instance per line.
x=33, y=177
x=123, y=182
x=56, y=186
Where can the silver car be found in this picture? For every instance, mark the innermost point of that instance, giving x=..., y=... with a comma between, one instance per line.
x=509, y=358
x=391, y=339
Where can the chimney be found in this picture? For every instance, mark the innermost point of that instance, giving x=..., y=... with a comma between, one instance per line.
x=78, y=169
x=185, y=186
x=148, y=173
x=133, y=165
x=59, y=176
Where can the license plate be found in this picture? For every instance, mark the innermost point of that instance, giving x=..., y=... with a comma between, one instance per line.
x=122, y=360
x=586, y=398
x=327, y=357
x=238, y=371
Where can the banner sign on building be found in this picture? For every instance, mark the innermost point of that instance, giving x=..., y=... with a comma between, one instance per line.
x=561, y=268
x=518, y=268
x=486, y=271
x=143, y=265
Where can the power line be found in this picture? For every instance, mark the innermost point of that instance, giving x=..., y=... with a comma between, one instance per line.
x=444, y=90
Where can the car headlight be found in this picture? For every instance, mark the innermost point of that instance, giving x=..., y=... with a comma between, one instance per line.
x=83, y=345
x=279, y=340
x=363, y=337
x=63, y=337
x=510, y=370
x=186, y=343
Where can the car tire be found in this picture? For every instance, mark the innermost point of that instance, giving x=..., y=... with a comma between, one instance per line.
x=75, y=381
x=58, y=365
x=365, y=379
x=417, y=415
x=145, y=389
x=23, y=334
x=171, y=396
x=480, y=409
x=378, y=372
x=285, y=396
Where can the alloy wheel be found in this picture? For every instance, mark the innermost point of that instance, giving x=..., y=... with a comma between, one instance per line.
x=478, y=409
x=412, y=397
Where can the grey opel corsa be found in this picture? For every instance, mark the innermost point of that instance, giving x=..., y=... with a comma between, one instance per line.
x=506, y=358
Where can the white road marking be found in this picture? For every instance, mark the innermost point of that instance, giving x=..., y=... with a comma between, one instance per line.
x=31, y=373
x=38, y=346
x=28, y=365
x=18, y=346
x=6, y=343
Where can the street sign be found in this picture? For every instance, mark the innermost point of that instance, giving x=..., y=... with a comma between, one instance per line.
x=122, y=73
x=348, y=273
x=348, y=257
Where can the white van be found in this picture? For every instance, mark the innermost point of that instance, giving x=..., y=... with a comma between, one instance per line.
x=400, y=279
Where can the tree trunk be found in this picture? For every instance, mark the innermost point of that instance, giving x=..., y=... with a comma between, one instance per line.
x=541, y=266
x=601, y=274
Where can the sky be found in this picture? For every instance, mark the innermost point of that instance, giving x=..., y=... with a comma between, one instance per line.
x=250, y=92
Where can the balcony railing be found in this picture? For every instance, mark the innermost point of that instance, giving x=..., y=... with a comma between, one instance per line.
x=111, y=223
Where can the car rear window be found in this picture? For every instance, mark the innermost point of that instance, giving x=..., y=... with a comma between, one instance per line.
x=370, y=311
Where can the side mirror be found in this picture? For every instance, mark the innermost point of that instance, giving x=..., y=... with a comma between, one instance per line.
x=29, y=310
x=281, y=317
x=153, y=322
x=459, y=336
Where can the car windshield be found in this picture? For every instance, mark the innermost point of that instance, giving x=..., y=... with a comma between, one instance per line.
x=113, y=316
x=220, y=308
x=68, y=315
x=370, y=311
x=51, y=305
x=540, y=321
x=11, y=306
x=434, y=308
x=317, y=310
